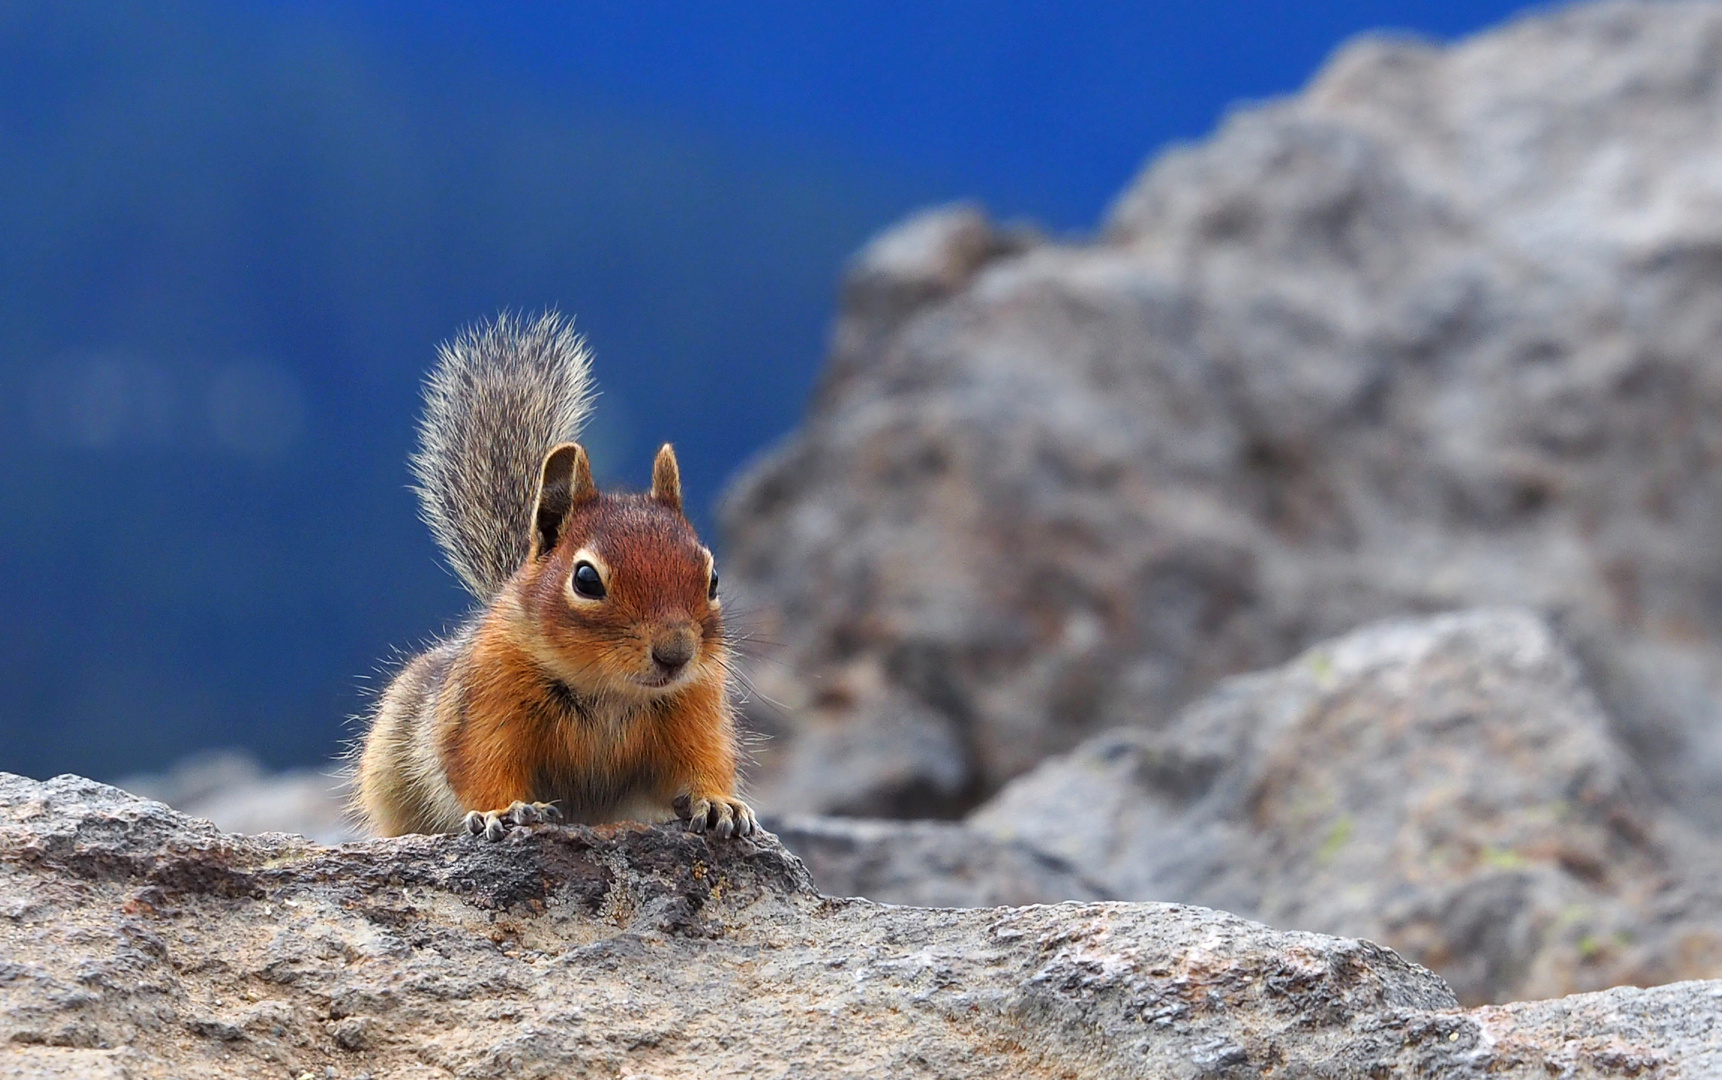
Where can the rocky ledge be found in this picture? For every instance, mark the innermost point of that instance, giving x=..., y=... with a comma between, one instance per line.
x=138, y=942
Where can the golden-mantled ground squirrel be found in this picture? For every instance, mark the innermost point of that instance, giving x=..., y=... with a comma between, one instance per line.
x=592, y=683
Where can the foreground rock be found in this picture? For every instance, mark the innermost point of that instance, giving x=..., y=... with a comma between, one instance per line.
x=1445, y=786
x=137, y=942
x=1440, y=331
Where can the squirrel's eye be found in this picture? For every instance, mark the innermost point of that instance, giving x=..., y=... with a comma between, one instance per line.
x=712, y=593
x=587, y=582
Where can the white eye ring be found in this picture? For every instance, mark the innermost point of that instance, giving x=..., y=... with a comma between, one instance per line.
x=580, y=587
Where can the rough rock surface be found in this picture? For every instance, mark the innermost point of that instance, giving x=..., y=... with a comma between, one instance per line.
x=1439, y=331
x=136, y=942
x=1446, y=786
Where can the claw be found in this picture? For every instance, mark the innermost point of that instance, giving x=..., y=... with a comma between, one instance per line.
x=493, y=824
x=723, y=816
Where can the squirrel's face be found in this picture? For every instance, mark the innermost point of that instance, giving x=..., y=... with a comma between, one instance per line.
x=627, y=601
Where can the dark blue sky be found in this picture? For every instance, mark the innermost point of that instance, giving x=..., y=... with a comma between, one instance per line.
x=231, y=235
x=1042, y=109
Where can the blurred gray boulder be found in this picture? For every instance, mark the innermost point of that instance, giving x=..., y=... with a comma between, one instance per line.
x=930, y=863
x=1439, y=331
x=231, y=789
x=1446, y=786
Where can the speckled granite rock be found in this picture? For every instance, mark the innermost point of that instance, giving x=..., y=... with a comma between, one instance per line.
x=1439, y=331
x=138, y=942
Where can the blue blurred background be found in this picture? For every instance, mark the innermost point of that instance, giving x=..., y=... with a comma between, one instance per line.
x=231, y=235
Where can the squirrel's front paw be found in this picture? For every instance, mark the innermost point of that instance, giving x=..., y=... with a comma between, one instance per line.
x=491, y=824
x=722, y=816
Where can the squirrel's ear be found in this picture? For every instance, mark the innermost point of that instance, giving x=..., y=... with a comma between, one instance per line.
x=566, y=483
x=667, y=479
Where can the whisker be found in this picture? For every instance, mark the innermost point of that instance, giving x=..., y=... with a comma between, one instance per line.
x=754, y=658
x=752, y=690
x=754, y=639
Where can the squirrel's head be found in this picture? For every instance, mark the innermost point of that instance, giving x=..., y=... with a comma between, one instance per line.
x=621, y=593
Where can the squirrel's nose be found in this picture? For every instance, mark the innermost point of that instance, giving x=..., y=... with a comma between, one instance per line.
x=674, y=649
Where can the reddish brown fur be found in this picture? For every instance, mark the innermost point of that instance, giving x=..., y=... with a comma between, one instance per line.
x=517, y=739
x=550, y=698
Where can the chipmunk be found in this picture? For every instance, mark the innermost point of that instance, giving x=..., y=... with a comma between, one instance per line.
x=592, y=682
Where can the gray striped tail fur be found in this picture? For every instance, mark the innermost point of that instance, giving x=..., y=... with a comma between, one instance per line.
x=502, y=395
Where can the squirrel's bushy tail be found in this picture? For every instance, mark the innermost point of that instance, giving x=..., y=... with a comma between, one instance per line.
x=502, y=395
